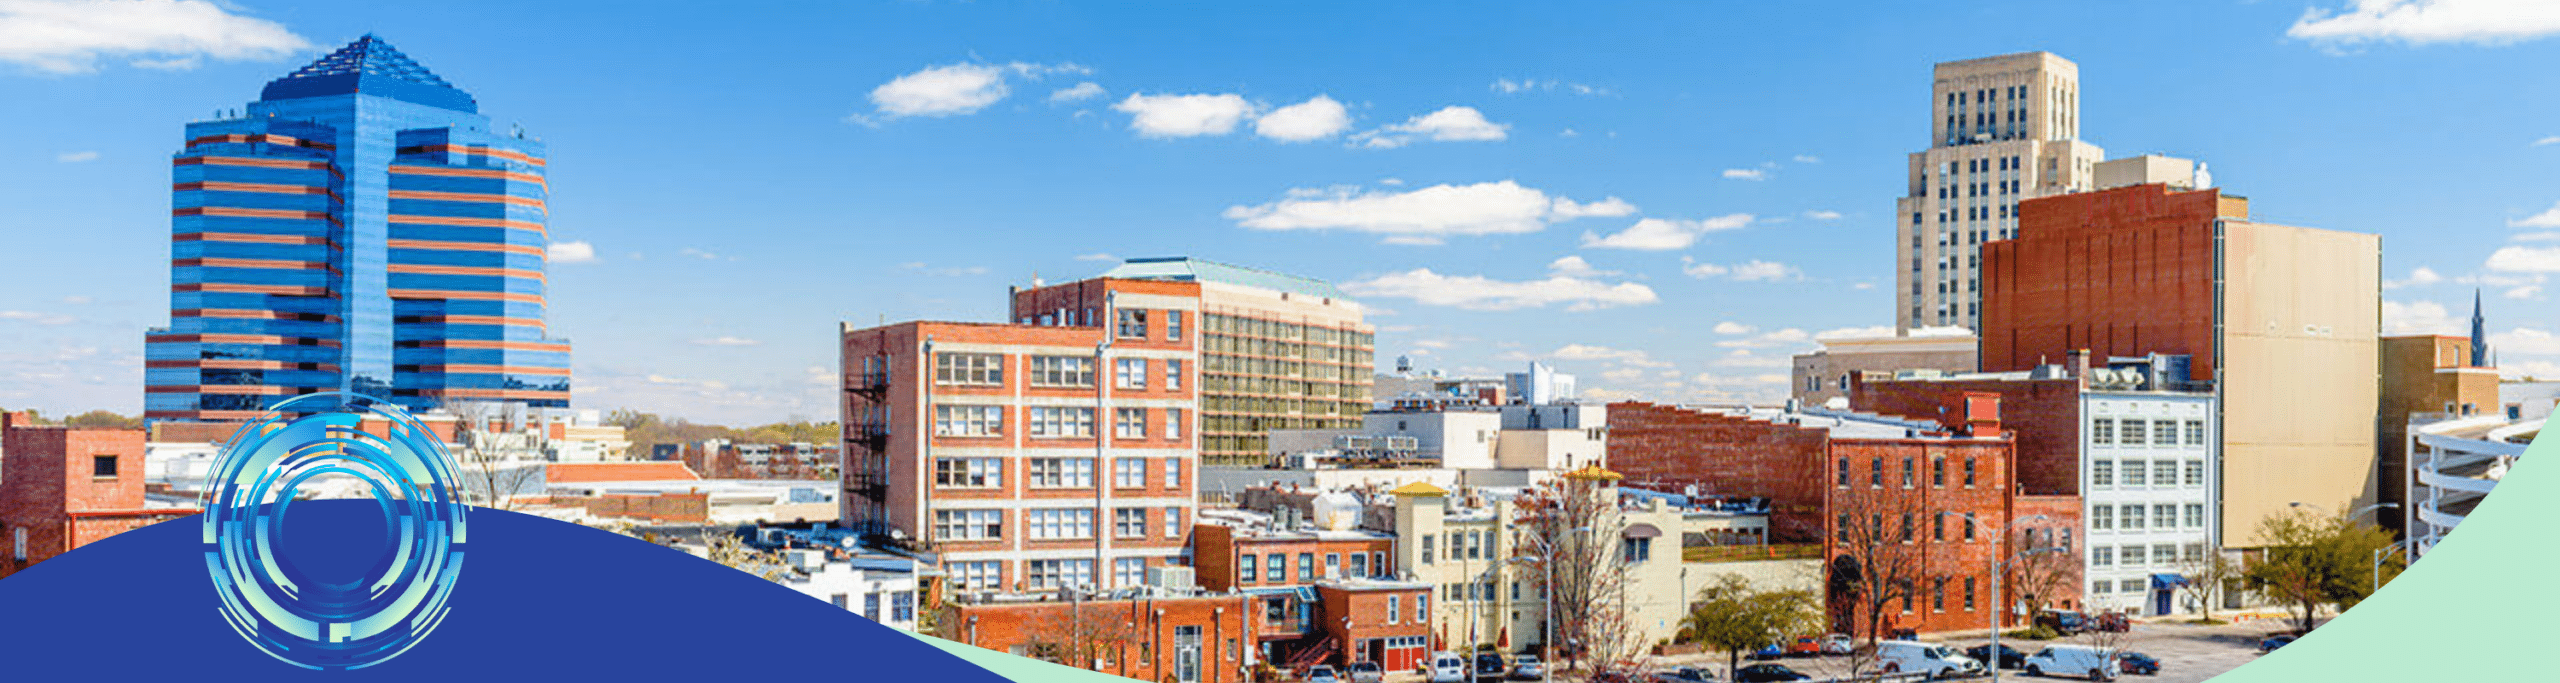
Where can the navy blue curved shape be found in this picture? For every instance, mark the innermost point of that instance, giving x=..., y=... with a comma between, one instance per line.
x=544, y=600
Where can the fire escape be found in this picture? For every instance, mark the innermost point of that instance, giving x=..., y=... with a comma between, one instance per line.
x=866, y=444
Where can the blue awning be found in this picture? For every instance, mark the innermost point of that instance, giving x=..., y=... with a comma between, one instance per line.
x=2167, y=581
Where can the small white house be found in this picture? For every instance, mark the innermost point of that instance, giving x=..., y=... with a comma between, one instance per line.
x=882, y=589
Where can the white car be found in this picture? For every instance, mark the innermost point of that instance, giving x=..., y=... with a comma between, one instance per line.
x=1937, y=660
x=1445, y=667
x=1323, y=674
x=2074, y=660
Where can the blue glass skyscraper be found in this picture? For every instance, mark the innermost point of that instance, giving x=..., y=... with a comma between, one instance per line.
x=357, y=228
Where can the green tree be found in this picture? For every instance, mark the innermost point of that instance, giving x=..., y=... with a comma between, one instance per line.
x=2313, y=560
x=101, y=419
x=1734, y=617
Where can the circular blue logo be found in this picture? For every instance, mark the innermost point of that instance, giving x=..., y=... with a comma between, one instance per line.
x=352, y=602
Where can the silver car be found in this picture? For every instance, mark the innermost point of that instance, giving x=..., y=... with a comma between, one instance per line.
x=1367, y=672
x=1528, y=668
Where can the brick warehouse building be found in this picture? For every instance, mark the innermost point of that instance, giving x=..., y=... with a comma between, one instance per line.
x=62, y=488
x=1928, y=499
x=1030, y=458
x=1196, y=639
x=2281, y=321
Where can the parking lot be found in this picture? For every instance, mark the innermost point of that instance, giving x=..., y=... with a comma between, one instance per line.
x=2187, y=653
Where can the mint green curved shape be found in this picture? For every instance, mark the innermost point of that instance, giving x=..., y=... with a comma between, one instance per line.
x=1016, y=667
x=2479, y=607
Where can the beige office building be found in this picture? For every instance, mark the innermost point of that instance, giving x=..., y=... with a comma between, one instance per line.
x=2002, y=129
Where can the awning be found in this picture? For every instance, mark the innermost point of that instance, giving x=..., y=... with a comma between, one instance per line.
x=1641, y=530
x=2167, y=581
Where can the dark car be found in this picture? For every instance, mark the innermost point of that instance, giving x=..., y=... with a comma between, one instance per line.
x=2273, y=642
x=1767, y=673
x=1767, y=652
x=2010, y=657
x=1490, y=666
x=1686, y=674
x=2139, y=663
x=2113, y=622
x=2065, y=622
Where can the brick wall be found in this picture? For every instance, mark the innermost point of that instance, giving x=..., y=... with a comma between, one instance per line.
x=1669, y=447
x=51, y=490
x=2121, y=272
x=1143, y=632
x=1947, y=553
x=2045, y=415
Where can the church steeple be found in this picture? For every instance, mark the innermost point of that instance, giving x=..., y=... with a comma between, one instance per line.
x=2479, y=334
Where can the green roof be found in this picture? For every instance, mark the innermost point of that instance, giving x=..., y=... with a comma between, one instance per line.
x=1187, y=269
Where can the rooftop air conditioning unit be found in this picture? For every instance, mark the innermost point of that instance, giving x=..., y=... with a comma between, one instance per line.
x=1170, y=578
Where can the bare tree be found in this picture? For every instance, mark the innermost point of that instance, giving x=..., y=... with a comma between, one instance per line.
x=2209, y=579
x=2038, y=570
x=1875, y=558
x=1081, y=635
x=1574, y=520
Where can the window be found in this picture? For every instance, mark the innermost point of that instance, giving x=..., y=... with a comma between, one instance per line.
x=1907, y=527
x=1637, y=550
x=1940, y=521
x=1059, y=524
x=1359, y=565
x=1172, y=374
x=1378, y=564
x=1395, y=609
x=1968, y=593
x=1061, y=371
x=840, y=601
x=2102, y=473
x=1841, y=528
x=1421, y=608
x=2164, y=555
x=976, y=473
x=968, y=525
x=2102, y=557
x=1969, y=523
x=1938, y=472
x=968, y=368
x=2195, y=473
x=1133, y=323
x=2164, y=433
x=1173, y=325
x=1968, y=472
x=1129, y=423
x=2130, y=586
x=1060, y=473
x=2134, y=473
x=1844, y=473
x=2102, y=517
x=1306, y=566
x=1173, y=424
x=2102, y=587
x=2131, y=555
x=968, y=420
x=2164, y=516
x=2102, y=431
x=1173, y=473
x=871, y=606
x=2195, y=516
x=1276, y=568
x=1173, y=522
x=1938, y=597
x=2195, y=432
x=1909, y=472
x=2130, y=517
x=1244, y=569
x=2164, y=472
x=18, y=539
x=902, y=606
x=1875, y=472
x=102, y=466
x=1129, y=473
x=1053, y=574
x=1051, y=421
x=2132, y=433
x=1333, y=565
x=1129, y=571
x=1130, y=373
x=1129, y=523
x=973, y=576
x=1428, y=554
x=2193, y=552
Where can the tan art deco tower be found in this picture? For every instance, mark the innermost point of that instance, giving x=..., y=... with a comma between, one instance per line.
x=2002, y=129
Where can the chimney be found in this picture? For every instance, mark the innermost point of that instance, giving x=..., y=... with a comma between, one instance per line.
x=2077, y=363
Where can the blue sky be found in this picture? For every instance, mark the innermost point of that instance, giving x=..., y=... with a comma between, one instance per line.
x=730, y=181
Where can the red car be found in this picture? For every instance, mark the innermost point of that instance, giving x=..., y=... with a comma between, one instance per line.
x=1805, y=646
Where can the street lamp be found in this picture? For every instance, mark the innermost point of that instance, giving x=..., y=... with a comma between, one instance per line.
x=1998, y=565
x=2380, y=554
x=1546, y=613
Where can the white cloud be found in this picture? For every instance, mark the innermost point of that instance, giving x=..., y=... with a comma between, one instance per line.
x=1731, y=328
x=2539, y=237
x=2553, y=140
x=1855, y=333
x=1746, y=174
x=1317, y=118
x=1749, y=271
x=1574, y=266
x=38, y=318
x=1744, y=358
x=1511, y=87
x=945, y=271
x=2418, y=317
x=1449, y=124
x=1808, y=159
x=2419, y=22
x=76, y=157
x=720, y=341
x=2525, y=292
x=1664, y=234
x=1479, y=293
x=700, y=254
x=953, y=89
x=70, y=37
x=1184, y=116
x=1081, y=92
x=2525, y=341
x=2525, y=260
x=1771, y=339
x=2549, y=218
x=1423, y=216
x=1629, y=357
x=1822, y=215
x=1097, y=257
x=2421, y=275
x=571, y=252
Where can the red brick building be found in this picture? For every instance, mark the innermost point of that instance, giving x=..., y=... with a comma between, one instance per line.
x=1376, y=621
x=1666, y=448
x=1320, y=596
x=2043, y=413
x=1182, y=639
x=2121, y=272
x=62, y=488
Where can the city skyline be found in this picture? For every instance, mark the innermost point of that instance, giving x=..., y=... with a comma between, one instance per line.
x=1675, y=232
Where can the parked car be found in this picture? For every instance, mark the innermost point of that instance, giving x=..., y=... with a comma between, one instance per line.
x=1766, y=653
x=1767, y=673
x=1805, y=646
x=1490, y=667
x=1686, y=674
x=2272, y=642
x=1323, y=674
x=1939, y=661
x=1902, y=634
x=1838, y=644
x=2065, y=622
x=1528, y=668
x=2074, y=660
x=2010, y=657
x=2113, y=622
x=1368, y=672
x=2138, y=663
x=1445, y=667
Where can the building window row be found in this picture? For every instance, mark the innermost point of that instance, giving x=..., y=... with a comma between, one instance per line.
x=2135, y=432
x=2138, y=517
x=2160, y=473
